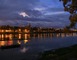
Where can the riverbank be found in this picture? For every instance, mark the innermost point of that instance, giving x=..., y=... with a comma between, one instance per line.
x=66, y=53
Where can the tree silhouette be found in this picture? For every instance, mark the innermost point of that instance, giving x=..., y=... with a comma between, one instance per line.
x=71, y=7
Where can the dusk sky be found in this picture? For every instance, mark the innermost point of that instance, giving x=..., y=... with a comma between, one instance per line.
x=45, y=13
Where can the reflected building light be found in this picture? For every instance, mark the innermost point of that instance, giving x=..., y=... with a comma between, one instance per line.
x=10, y=42
x=28, y=35
x=67, y=35
x=18, y=42
x=62, y=35
x=70, y=34
x=41, y=35
x=16, y=36
x=51, y=35
x=10, y=36
x=16, y=30
x=2, y=36
x=25, y=36
x=74, y=34
x=58, y=35
x=19, y=36
x=6, y=36
x=44, y=35
x=48, y=35
x=25, y=41
x=23, y=50
x=2, y=43
x=0, y=30
x=38, y=35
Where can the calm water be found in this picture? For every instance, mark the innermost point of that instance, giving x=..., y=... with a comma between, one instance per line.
x=30, y=45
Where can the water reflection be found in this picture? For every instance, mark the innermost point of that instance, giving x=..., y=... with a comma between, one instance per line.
x=27, y=46
x=24, y=49
x=19, y=39
x=53, y=35
x=13, y=39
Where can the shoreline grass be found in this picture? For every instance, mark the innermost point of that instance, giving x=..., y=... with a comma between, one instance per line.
x=66, y=53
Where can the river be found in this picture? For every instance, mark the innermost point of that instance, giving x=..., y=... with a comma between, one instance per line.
x=30, y=45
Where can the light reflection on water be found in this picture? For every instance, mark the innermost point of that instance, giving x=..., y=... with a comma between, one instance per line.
x=31, y=44
x=12, y=39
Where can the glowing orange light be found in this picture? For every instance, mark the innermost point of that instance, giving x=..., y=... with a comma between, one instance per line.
x=25, y=41
x=18, y=42
x=19, y=36
x=2, y=43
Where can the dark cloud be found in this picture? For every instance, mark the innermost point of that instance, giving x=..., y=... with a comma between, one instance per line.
x=52, y=21
x=18, y=3
x=40, y=12
x=9, y=9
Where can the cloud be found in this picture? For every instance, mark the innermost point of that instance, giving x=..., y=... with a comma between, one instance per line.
x=55, y=13
x=24, y=14
x=27, y=8
x=51, y=3
x=48, y=21
x=39, y=8
x=36, y=12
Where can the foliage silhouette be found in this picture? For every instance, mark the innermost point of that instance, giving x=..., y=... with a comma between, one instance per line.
x=71, y=7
